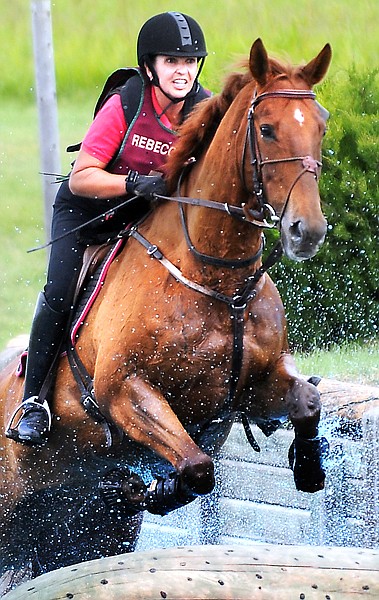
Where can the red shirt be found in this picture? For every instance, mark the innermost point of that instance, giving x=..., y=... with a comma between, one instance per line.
x=107, y=131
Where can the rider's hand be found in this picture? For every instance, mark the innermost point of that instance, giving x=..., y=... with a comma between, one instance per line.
x=145, y=185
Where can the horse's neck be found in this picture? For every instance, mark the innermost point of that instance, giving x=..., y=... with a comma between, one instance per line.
x=212, y=232
x=216, y=176
x=215, y=232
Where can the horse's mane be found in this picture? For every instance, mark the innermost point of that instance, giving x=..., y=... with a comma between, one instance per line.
x=196, y=133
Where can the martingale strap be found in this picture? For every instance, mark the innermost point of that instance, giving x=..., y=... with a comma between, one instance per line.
x=154, y=252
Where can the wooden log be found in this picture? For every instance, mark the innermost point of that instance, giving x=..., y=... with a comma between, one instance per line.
x=255, y=572
x=344, y=399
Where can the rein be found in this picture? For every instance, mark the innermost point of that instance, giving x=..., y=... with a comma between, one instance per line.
x=239, y=212
x=237, y=263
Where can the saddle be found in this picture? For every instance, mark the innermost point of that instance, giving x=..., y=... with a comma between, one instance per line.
x=93, y=257
x=91, y=271
x=96, y=262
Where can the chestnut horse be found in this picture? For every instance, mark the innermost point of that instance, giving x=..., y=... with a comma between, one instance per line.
x=188, y=330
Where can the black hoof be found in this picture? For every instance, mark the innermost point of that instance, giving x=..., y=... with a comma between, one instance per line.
x=314, y=380
x=306, y=458
x=167, y=494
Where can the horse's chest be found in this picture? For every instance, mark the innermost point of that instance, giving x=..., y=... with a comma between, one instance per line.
x=200, y=352
x=193, y=350
x=186, y=342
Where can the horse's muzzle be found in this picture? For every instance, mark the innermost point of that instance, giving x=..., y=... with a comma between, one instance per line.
x=300, y=241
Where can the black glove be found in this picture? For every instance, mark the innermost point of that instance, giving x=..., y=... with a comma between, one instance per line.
x=145, y=185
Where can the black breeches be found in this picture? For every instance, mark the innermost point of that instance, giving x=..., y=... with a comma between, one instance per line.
x=65, y=258
x=71, y=212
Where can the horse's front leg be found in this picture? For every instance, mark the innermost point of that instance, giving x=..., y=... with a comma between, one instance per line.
x=308, y=449
x=145, y=416
x=284, y=390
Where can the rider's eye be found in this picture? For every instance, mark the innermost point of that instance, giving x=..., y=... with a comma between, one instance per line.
x=267, y=132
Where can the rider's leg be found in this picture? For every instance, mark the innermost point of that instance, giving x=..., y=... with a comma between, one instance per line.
x=70, y=212
x=50, y=319
x=45, y=337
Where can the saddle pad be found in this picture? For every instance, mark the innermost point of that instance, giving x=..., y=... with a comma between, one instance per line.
x=92, y=290
x=87, y=298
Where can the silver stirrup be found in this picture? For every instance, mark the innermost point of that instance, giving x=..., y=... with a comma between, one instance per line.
x=32, y=401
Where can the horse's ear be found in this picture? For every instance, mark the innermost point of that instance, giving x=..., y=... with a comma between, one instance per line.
x=258, y=62
x=316, y=69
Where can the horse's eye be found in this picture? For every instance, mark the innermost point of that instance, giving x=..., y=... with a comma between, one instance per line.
x=267, y=132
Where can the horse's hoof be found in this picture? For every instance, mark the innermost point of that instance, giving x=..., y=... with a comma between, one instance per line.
x=123, y=491
x=306, y=458
x=314, y=380
x=167, y=494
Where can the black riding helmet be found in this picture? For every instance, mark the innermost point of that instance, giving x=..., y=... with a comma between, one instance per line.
x=171, y=34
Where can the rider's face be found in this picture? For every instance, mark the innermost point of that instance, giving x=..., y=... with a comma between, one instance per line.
x=176, y=74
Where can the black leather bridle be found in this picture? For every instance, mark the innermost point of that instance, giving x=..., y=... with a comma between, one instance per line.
x=308, y=163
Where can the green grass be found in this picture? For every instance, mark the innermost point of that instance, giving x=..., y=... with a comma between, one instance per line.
x=352, y=362
x=93, y=38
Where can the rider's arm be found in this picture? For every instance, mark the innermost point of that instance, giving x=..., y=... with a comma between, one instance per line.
x=89, y=178
x=102, y=141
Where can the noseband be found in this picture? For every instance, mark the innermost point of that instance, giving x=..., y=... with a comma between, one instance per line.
x=309, y=164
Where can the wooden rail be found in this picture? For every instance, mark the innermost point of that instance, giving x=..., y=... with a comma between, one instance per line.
x=260, y=572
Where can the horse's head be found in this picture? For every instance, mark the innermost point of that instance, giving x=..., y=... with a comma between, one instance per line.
x=286, y=128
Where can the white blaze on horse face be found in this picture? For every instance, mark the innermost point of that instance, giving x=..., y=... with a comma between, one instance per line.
x=298, y=115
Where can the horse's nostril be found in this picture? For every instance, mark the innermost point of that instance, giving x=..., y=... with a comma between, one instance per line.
x=296, y=230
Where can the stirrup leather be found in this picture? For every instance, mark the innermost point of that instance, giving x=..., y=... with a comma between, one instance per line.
x=30, y=402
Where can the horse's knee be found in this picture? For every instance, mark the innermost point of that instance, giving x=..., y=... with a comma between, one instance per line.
x=304, y=407
x=198, y=475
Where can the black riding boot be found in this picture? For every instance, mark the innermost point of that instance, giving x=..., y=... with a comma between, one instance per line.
x=45, y=337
